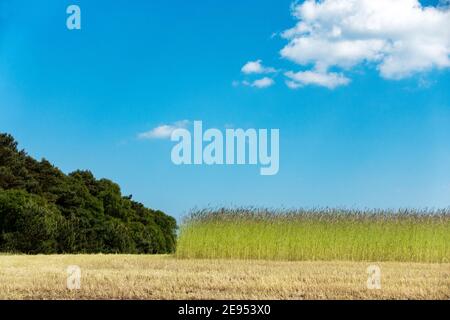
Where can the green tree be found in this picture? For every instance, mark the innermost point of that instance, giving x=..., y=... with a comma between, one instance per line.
x=27, y=224
x=43, y=210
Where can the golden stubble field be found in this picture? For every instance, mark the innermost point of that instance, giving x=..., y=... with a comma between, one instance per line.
x=166, y=277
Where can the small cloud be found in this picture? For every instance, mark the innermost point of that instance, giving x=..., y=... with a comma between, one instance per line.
x=163, y=131
x=293, y=85
x=260, y=83
x=425, y=83
x=263, y=83
x=329, y=80
x=256, y=67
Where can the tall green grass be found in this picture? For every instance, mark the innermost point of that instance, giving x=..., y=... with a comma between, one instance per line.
x=319, y=234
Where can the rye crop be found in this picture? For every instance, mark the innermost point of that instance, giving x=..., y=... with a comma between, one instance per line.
x=317, y=234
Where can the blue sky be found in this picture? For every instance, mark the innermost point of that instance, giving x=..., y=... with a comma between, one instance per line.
x=80, y=98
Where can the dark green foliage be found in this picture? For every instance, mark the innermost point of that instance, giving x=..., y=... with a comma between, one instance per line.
x=42, y=210
x=27, y=223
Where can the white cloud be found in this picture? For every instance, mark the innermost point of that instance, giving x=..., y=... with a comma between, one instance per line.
x=256, y=67
x=330, y=80
x=164, y=131
x=260, y=83
x=263, y=83
x=399, y=37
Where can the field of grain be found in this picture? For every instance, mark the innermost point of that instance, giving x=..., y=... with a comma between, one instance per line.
x=317, y=235
x=258, y=254
x=166, y=277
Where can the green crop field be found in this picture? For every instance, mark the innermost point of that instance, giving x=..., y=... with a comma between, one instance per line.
x=319, y=234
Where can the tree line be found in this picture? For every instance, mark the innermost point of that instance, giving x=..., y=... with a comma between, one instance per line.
x=43, y=210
